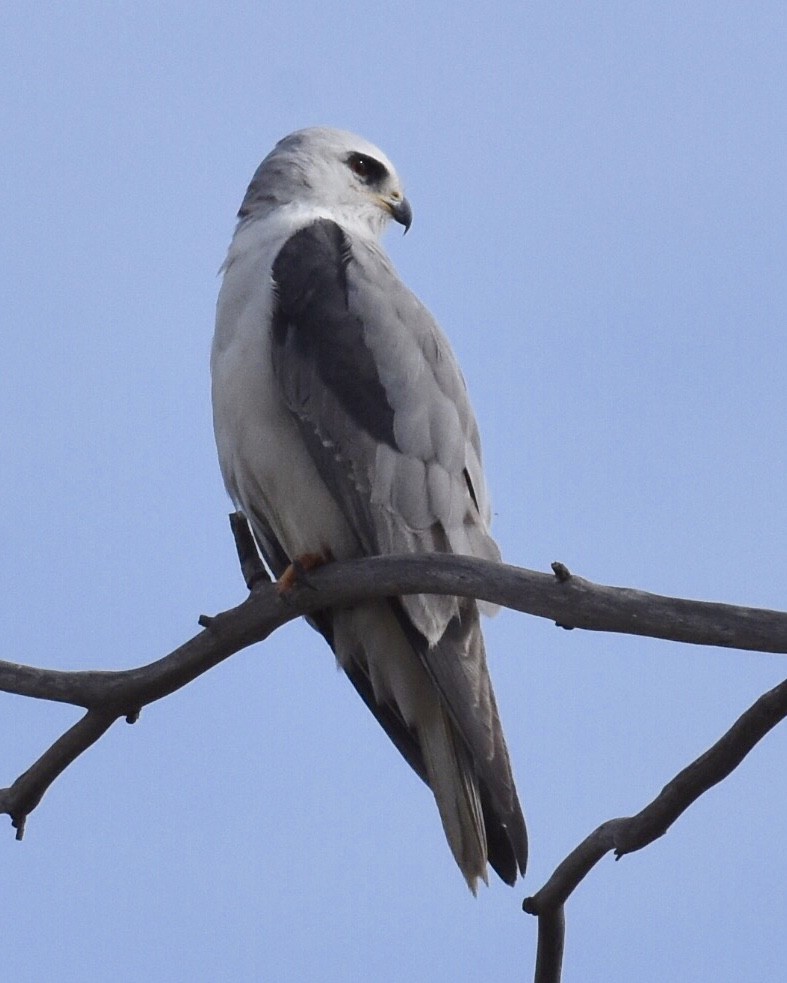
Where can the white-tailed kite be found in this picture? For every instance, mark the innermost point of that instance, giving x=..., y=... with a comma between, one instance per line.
x=344, y=429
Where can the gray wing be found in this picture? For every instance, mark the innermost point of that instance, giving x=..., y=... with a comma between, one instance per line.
x=381, y=404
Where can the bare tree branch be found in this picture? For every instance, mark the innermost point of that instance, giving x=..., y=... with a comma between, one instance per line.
x=27, y=791
x=632, y=833
x=569, y=601
x=551, y=938
x=563, y=598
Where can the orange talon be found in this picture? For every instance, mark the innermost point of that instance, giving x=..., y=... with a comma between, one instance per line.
x=301, y=564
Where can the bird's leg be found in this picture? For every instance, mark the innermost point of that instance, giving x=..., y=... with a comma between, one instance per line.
x=299, y=567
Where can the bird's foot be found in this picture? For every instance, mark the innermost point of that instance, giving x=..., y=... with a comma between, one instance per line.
x=297, y=570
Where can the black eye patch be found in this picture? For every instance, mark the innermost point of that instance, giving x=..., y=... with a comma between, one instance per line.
x=369, y=170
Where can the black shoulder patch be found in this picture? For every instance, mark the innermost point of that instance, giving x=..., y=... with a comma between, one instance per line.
x=315, y=332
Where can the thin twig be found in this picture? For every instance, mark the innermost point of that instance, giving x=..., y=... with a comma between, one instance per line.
x=625, y=835
x=23, y=796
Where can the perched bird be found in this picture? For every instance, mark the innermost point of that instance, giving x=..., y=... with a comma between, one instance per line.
x=344, y=429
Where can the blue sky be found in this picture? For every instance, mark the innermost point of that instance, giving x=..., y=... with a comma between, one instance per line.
x=599, y=202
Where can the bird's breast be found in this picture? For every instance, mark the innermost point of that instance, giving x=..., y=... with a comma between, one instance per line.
x=264, y=461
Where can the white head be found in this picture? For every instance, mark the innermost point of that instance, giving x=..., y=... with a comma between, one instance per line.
x=332, y=170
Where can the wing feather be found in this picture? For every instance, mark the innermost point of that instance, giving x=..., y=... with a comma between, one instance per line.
x=372, y=380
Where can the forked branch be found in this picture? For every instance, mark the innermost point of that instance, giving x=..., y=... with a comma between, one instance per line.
x=632, y=833
x=569, y=601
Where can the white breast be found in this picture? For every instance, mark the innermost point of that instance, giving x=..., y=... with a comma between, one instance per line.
x=264, y=462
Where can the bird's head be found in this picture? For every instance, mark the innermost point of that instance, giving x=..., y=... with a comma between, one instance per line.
x=344, y=175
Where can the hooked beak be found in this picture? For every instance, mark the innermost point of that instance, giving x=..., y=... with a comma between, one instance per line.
x=400, y=212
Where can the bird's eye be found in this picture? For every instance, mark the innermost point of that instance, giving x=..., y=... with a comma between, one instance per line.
x=369, y=170
x=360, y=166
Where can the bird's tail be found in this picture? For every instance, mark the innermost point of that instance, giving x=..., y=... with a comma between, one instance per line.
x=370, y=644
x=455, y=787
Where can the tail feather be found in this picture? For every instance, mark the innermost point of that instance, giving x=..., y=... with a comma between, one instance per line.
x=458, y=747
x=455, y=787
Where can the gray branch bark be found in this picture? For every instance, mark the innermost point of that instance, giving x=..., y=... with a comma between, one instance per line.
x=569, y=601
x=632, y=833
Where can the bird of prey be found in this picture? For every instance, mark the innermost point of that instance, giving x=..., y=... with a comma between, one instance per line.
x=343, y=430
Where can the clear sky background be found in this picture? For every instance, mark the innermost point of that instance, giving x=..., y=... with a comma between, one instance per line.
x=599, y=199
